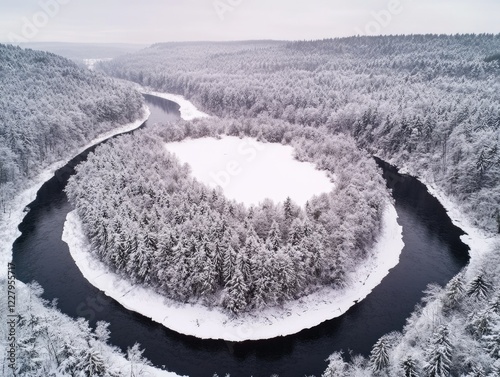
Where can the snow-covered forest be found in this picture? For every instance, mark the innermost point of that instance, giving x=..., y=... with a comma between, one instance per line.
x=152, y=222
x=48, y=107
x=50, y=343
x=455, y=332
x=427, y=103
x=430, y=103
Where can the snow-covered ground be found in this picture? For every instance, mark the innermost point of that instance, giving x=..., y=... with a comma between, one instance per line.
x=187, y=109
x=249, y=171
x=201, y=322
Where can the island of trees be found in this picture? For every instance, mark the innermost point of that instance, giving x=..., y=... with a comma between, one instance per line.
x=150, y=221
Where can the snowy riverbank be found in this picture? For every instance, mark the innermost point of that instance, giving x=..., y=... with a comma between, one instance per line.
x=187, y=109
x=10, y=221
x=201, y=322
x=9, y=232
x=480, y=242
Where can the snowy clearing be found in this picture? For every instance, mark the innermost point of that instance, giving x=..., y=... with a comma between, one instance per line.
x=249, y=171
x=205, y=323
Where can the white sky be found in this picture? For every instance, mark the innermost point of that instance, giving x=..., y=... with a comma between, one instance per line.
x=150, y=21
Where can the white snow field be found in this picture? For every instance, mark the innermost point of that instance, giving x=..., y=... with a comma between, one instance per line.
x=202, y=322
x=249, y=171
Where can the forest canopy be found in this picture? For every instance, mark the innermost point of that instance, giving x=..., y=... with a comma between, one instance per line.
x=48, y=107
x=150, y=221
x=428, y=103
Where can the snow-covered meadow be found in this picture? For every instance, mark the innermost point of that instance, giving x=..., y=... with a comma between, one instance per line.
x=249, y=171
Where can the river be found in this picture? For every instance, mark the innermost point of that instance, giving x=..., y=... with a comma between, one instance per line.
x=433, y=252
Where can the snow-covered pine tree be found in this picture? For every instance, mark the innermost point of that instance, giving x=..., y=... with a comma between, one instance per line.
x=455, y=290
x=491, y=341
x=337, y=367
x=273, y=241
x=409, y=366
x=476, y=371
x=438, y=359
x=236, y=292
x=296, y=232
x=91, y=363
x=479, y=287
x=379, y=355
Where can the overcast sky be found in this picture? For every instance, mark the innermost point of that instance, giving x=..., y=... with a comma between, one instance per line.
x=150, y=21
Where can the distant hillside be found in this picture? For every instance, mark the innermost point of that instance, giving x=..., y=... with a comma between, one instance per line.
x=49, y=106
x=80, y=51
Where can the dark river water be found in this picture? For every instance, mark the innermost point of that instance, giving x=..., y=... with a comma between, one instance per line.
x=433, y=253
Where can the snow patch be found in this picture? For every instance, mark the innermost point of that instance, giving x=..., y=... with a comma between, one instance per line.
x=249, y=171
x=187, y=109
x=202, y=322
x=90, y=63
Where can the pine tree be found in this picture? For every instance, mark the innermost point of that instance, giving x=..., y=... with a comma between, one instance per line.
x=274, y=237
x=439, y=357
x=379, y=356
x=296, y=233
x=480, y=323
x=409, y=367
x=91, y=363
x=454, y=292
x=288, y=210
x=479, y=287
x=476, y=371
x=491, y=341
x=229, y=262
x=236, y=289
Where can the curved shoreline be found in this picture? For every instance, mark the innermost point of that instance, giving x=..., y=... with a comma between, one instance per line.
x=9, y=223
x=205, y=323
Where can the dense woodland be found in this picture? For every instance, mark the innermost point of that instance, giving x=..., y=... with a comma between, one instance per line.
x=152, y=222
x=49, y=107
x=50, y=343
x=430, y=103
x=454, y=332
